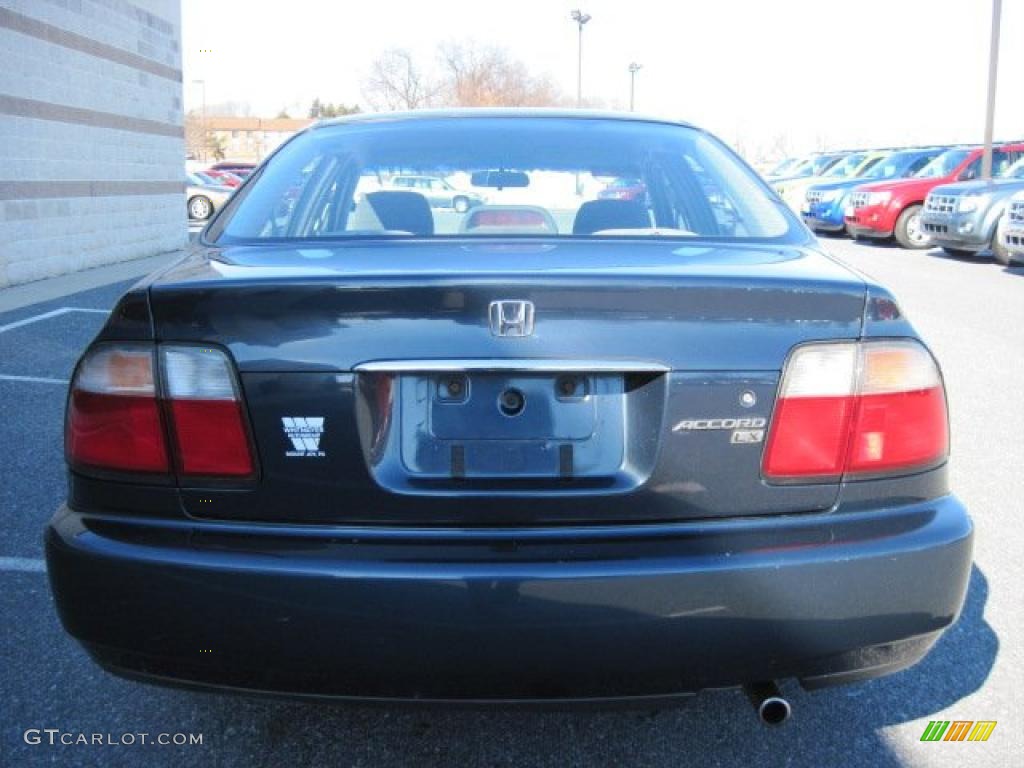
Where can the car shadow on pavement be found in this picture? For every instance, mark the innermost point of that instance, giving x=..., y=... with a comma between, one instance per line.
x=984, y=258
x=879, y=242
x=846, y=724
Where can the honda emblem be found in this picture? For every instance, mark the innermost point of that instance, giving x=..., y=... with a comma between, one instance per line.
x=511, y=318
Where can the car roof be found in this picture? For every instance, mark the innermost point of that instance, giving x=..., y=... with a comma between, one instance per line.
x=498, y=112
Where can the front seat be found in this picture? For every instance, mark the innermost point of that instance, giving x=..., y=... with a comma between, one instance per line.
x=595, y=215
x=403, y=211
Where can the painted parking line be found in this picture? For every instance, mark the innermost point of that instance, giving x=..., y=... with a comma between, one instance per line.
x=32, y=379
x=23, y=564
x=48, y=315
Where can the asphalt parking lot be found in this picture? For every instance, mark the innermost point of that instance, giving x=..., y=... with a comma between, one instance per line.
x=972, y=313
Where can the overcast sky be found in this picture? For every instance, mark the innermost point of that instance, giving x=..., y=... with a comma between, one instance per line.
x=832, y=72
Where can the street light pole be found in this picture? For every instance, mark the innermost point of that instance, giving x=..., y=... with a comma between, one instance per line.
x=206, y=133
x=580, y=18
x=990, y=109
x=633, y=69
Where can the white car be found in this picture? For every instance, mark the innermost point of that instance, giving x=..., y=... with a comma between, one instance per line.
x=440, y=193
x=204, y=196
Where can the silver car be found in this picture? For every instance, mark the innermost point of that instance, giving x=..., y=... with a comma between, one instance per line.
x=966, y=217
x=1013, y=229
x=439, y=192
x=204, y=196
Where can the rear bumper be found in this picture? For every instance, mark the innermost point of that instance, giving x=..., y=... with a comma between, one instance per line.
x=512, y=615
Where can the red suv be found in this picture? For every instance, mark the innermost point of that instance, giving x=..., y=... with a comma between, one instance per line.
x=893, y=208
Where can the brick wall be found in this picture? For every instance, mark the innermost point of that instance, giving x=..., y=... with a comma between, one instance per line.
x=91, y=136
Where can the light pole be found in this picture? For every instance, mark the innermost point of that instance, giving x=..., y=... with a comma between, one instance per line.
x=633, y=69
x=206, y=136
x=580, y=18
x=990, y=108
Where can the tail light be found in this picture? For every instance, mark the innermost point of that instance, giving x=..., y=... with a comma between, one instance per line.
x=120, y=419
x=857, y=409
x=114, y=419
x=206, y=413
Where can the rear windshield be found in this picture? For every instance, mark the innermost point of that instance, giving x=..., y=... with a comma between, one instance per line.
x=509, y=177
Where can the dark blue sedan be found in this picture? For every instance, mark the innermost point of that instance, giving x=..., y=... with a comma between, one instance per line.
x=557, y=448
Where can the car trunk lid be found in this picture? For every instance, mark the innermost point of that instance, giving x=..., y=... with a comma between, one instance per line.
x=345, y=354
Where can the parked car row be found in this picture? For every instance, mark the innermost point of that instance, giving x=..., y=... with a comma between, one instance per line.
x=922, y=197
x=208, y=189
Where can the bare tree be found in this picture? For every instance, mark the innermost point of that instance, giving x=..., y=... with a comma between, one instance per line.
x=486, y=76
x=395, y=82
x=470, y=76
x=201, y=143
x=195, y=135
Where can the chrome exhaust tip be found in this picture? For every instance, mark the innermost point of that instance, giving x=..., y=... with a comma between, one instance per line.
x=769, y=703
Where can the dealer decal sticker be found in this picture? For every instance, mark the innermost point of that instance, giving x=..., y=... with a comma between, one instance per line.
x=304, y=432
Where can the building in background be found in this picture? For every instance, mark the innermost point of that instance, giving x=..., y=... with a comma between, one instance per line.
x=91, y=134
x=239, y=138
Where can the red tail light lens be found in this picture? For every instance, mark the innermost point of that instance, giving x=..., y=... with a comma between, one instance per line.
x=901, y=417
x=210, y=437
x=113, y=420
x=846, y=409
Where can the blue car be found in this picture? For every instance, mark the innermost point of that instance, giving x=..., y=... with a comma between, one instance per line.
x=823, y=206
x=554, y=450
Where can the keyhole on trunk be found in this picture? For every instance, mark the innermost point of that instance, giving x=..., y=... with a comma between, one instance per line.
x=511, y=402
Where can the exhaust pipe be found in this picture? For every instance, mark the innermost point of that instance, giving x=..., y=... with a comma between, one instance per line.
x=769, y=703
